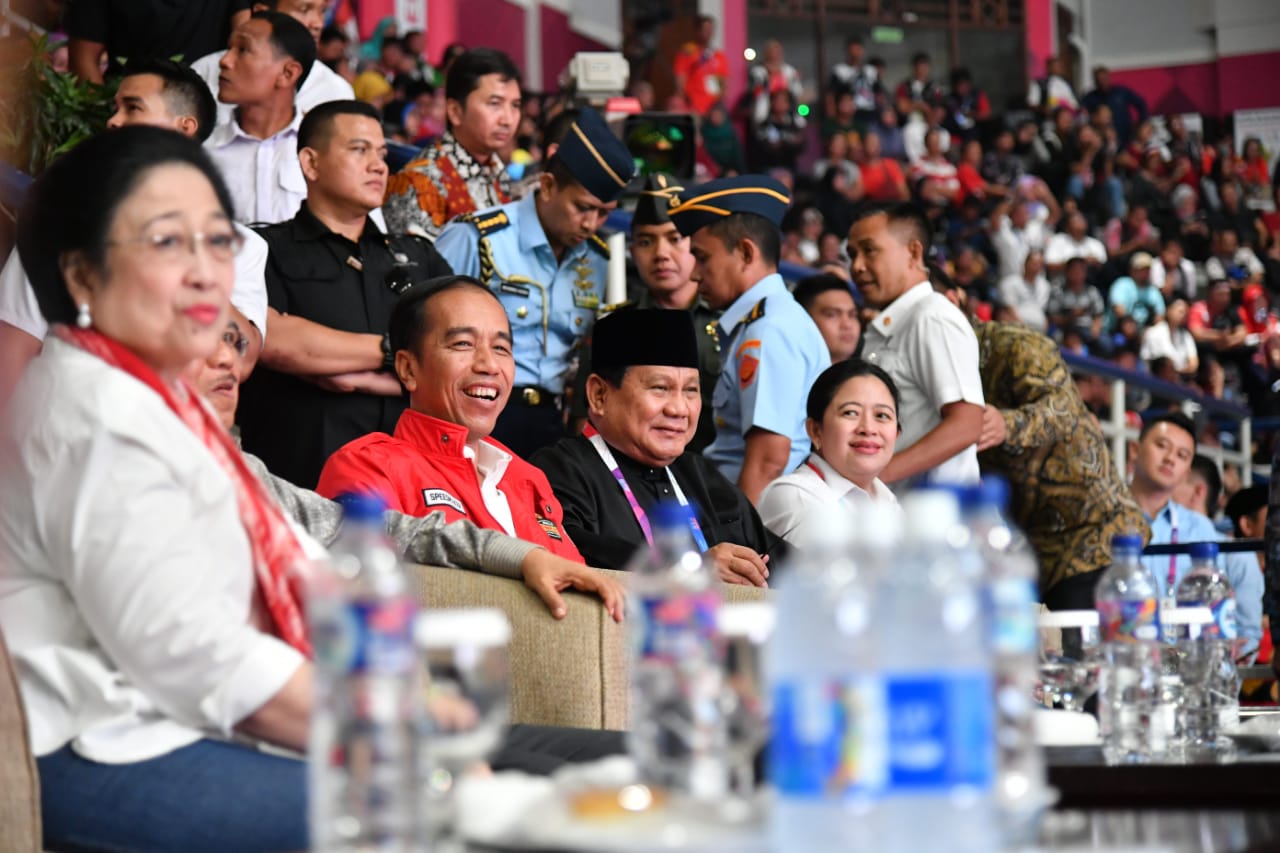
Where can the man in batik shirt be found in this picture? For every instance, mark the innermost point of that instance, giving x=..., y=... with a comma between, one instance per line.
x=462, y=172
x=1065, y=490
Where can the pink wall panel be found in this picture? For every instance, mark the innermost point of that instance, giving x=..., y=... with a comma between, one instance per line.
x=1180, y=88
x=559, y=44
x=492, y=23
x=1039, y=22
x=1249, y=82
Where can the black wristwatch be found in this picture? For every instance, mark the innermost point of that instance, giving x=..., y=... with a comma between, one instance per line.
x=388, y=354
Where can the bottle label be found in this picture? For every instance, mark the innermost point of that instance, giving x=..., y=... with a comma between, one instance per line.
x=1224, y=618
x=828, y=738
x=1014, y=613
x=1128, y=621
x=941, y=731
x=678, y=627
x=365, y=636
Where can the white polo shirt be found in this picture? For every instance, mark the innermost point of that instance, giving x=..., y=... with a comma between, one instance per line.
x=929, y=349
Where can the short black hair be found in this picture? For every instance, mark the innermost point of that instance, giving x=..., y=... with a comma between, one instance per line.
x=558, y=126
x=317, y=125
x=829, y=381
x=290, y=37
x=1177, y=419
x=917, y=58
x=736, y=227
x=808, y=289
x=902, y=214
x=332, y=33
x=70, y=207
x=1207, y=470
x=558, y=170
x=853, y=39
x=408, y=324
x=465, y=72
x=185, y=92
x=1247, y=501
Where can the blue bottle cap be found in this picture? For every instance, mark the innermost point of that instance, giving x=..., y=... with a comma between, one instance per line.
x=671, y=514
x=1204, y=550
x=967, y=497
x=362, y=506
x=994, y=491
x=1126, y=542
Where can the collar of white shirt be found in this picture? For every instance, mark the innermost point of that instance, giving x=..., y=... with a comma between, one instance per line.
x=846, y=488
x=492, y=465
x=229, y=131
x=901, y=308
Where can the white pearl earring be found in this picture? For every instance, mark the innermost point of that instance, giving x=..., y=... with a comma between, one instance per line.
x=83, y=320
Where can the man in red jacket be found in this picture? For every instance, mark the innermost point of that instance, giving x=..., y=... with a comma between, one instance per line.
x=452, y=345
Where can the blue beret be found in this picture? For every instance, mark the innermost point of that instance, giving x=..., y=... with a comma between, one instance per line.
x=595, y=157
x=711, y=202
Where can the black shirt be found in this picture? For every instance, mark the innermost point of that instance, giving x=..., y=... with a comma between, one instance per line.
x=157, y=29
x=599, y=519
x=313, y=273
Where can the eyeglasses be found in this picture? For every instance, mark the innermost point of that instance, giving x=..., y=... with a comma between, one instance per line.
x=171, y=247
x=236, y=339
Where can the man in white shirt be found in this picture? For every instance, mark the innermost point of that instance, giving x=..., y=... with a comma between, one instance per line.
x=321, y=85
x=163, y=94
x=922, y=341
x=1020, y=226
x=1028, y=294
x=1074, y=242
x=269, y=58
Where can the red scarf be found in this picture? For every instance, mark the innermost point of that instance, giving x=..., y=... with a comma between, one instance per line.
x=277, y=554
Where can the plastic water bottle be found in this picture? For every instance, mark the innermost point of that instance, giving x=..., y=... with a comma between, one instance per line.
x=678, y=732
x=368, y=705
x=1131, y=716
x=827, y=756
x=1011, y=580
x=937, y=668
x=1208, y=586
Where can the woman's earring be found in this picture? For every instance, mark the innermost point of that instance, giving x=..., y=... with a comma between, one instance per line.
x=83, y=320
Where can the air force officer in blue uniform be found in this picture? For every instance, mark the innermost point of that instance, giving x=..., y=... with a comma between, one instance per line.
x=771, y=351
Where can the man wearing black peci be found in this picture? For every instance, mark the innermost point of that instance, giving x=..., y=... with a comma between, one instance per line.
x=644, y=398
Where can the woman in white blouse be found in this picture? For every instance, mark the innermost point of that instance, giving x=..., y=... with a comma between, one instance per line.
x=148, y=591
x=1171, y=339
x=853, y=424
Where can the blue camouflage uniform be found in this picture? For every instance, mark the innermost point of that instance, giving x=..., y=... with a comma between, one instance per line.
x=551, y=306
x=773, y=353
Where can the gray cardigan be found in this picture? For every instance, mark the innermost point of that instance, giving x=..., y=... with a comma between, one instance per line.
x=429, y=540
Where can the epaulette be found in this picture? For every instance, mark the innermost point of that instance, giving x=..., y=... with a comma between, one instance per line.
x=611, y=307
x=489, y=222
x=598, y=241
x=756, y=312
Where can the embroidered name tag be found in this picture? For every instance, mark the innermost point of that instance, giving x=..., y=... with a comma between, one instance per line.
x=549, y=527
x=513, y=289
x=439, y=497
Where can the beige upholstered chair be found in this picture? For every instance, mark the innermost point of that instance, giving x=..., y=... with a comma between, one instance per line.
x=19, y=785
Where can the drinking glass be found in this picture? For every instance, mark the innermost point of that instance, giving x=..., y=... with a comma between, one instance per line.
x=1069, y=657
x=745, y=702
x=466, y=660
